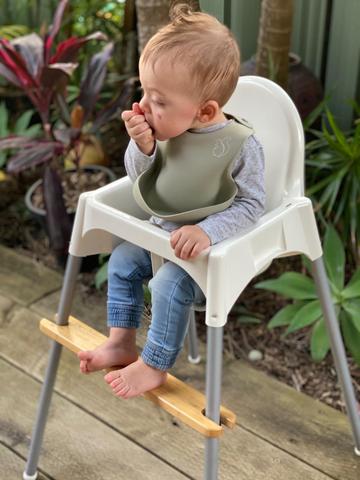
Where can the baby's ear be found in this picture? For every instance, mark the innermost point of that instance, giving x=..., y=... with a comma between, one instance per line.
x=208, y=111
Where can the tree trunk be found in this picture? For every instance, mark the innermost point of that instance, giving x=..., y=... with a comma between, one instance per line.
x=272, y=58
x=152, y=15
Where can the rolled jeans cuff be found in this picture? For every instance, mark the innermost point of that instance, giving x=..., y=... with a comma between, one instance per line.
x=158, y=357
x=125, y=316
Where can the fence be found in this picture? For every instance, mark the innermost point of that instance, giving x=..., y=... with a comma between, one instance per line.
x=26, y=12
x=326, y=35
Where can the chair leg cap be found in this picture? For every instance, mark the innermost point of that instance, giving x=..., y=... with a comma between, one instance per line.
x=195, y=360
x=30, y=477
x=357, y=451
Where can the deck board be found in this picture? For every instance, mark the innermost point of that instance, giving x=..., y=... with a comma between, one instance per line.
x=24, y=280
x=12, y=465
x=280, y=433
x=77, y=445
x=294, y=422
x=23, y=344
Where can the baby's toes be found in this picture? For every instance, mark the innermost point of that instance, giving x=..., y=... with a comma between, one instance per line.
x=109, y=377
x=128, y=393
x=113, y=375
x=83, y=366
x=84, y=355
x=122, y=391
x=117, y=384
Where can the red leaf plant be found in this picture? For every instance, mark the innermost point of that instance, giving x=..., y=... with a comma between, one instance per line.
x=42, y=70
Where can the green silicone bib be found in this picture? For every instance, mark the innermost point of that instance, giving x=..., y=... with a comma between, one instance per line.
x=190, y=177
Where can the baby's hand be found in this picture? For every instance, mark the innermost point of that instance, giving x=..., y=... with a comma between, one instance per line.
x=139, y=129
x=188, y=241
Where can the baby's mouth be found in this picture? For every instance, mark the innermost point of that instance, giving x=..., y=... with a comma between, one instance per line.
x=151, y=127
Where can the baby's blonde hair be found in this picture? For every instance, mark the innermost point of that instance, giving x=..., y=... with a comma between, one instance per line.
x=204, y=45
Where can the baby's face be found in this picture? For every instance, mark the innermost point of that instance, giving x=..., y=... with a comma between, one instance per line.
x=169, y=105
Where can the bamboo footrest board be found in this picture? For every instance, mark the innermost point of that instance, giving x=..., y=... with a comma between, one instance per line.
x=176, y=397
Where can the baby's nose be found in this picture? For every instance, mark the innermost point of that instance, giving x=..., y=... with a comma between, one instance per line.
x=144, y=105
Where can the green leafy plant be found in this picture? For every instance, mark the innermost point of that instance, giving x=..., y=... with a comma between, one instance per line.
x=333, y=178
x=244, y=316
x=85, y=16
x=20, y=127
x=305, y=311
x=90, y=15
x=13, y=31
x=102, y=273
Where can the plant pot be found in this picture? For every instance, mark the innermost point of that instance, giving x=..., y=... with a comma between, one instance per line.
x=9, y=191
x=303, y=87
x=39, y=214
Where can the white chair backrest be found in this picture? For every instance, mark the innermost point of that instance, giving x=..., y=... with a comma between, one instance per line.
x=278, y=126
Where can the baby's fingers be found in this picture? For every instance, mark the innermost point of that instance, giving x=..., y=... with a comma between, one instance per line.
x=145, y=137
x=139, y=129
x=127, y=115
x=197, y=249
x=174, y=237
x=186, y=249
x=136, y=108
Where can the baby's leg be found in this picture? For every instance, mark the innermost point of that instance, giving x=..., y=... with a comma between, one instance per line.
x=129, y=265
x=173, y=292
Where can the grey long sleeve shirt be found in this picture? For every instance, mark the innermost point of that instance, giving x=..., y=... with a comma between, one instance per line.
x=248, y=174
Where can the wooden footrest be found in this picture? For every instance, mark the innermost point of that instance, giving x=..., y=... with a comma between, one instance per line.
x=175, y=396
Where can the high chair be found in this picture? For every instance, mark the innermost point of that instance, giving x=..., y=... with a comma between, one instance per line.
x=109, y=215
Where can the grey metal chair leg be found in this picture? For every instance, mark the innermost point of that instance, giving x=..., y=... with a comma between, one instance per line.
x=337, y=348
x=67, y=292
x=213, y=397
x=193, y=347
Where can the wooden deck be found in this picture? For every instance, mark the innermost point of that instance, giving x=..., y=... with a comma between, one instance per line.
x=281, y=434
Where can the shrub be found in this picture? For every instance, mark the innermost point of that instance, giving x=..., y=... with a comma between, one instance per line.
x=305, y=311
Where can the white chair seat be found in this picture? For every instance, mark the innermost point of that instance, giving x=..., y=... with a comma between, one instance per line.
x=223, y=271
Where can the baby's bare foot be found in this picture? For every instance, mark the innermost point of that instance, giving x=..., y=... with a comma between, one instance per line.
x=109, y=354
x=135, y=379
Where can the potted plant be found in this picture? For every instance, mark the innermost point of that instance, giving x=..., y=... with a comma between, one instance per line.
x=274, y=60
x=31, y=64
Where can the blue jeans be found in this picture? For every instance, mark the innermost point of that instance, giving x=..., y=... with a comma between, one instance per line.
x=172, y=292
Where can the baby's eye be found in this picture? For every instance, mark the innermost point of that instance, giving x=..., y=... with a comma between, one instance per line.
x=160, y=103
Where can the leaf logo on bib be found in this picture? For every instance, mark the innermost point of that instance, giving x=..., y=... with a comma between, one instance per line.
x=222, y=147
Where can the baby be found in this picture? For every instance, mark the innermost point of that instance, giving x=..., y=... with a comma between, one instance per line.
x=198, y=172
